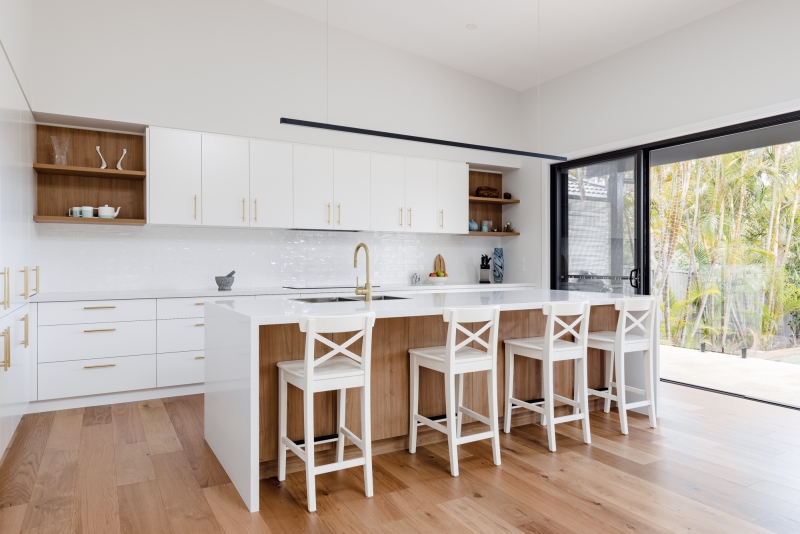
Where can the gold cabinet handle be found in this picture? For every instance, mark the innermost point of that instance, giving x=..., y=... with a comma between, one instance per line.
x=25, y=340
x=195, y=207
x=25, y=291
x=401, y=217
x=409, y=217
x=199, y=324
x=37, y=269
x=329, y=212
x=255, y=211
x=243, y=201
x=99, y=330
x=99, y=366
x=98, y=307
x=199, y=357
x=6, y=334
x=199, y=303
x=339, y=216
x=442, y=218
x=6, y=288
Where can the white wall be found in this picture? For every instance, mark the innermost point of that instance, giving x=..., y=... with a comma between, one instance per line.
x=16, y=35
x=236, y=67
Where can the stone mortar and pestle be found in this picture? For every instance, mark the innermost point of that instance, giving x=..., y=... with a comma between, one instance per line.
x=224, y=283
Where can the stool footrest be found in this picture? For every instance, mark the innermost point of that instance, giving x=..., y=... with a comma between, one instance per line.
x=566, y=400
x=527, y=405
x=352, y=437
x=475, y=415
x=474, y=437
x=639, y=404
x=292, y=446
x=635, y=390
x=601, y=393
x=431, y=423
x=330, y=438
x=336, y=466
x=567, y=418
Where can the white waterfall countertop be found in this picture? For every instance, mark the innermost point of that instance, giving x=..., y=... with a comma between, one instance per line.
x=289, y=310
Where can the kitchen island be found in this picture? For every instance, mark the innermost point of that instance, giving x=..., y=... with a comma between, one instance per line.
x=245, y=340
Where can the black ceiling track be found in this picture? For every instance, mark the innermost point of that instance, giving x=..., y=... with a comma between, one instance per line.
x=376, y=133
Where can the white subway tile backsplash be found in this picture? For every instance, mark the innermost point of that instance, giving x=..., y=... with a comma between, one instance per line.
x=110, y=258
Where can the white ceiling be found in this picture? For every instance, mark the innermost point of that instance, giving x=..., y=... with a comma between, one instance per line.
x=503, y=48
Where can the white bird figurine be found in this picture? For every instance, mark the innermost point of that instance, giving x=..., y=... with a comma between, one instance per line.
x=119, y=163
x=103, y=166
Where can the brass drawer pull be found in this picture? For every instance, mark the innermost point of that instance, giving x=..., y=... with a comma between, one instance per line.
x=199, y=357
x=6, y=287
x=99, y=366
x=195, y=207
x=100, y=330
x=25, y=291
x=200, y=324
x=37, y=269
x=6, y=335
x=409, y=217
x=199, y=303
x=243, y=219
x=98, y=307
x=25, y=340
x=256, y=210
x=401, y=217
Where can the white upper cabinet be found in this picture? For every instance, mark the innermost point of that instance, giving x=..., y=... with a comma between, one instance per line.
x=226, y=180
x=351, y=190
x=388, y=189
x=271, y=204
x=313, y=187
x=453, y=197
x=175, y=177
x=421, y=192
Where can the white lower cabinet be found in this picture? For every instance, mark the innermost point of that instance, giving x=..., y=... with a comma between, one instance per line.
x=96, y=376
x=14, y=377
x=98, y=340
x=178, y=335
x=179, y=368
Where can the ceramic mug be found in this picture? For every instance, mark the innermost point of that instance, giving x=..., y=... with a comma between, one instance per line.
x=87, y=211
x=75, y=212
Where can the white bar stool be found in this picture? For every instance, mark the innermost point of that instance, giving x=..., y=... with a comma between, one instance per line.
x=328, y=373
x=634, y=333
x=453, y=360
x=550, y=349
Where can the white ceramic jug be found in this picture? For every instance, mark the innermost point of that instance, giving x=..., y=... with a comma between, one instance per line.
x=104, y=212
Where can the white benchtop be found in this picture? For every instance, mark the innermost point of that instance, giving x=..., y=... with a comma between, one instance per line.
x=68, y=296
x=289, y=310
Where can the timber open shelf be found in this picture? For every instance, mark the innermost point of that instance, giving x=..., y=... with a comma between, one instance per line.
x=86, y=220
x=494, y=234
x=81, y=182
x=495, y=201
x=68, y=170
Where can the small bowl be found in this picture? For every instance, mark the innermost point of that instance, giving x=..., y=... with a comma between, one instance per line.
x=437, y=280
x=224, y=283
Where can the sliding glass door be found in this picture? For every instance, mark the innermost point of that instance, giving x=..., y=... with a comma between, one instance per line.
x=598, y=239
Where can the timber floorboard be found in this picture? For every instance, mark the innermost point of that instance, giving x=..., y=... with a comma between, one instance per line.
x=715, y=464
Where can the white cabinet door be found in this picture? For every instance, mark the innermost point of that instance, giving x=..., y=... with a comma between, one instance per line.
x=20, y=369
x=388, y=192
x=351, y=186
x=313, y=187
x=453, y=197
x=226, y=180
x=271, y=195
x=421, y=212
x=6, y=383
x=175, y=176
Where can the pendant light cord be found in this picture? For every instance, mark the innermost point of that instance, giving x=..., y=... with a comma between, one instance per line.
x=327, y=63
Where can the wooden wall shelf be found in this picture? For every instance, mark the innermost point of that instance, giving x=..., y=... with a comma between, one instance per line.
x=495, y=201
x=494, y=234
x=69, y=170
x=82, y=220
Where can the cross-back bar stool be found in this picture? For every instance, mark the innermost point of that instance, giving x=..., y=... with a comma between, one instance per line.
x=454, y=360
x=549, y=349
x=339, y=369
x=635, y=331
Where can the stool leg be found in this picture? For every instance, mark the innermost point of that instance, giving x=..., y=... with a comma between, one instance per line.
x=339, y=424
x=450, y=401
x=459, y=401
x=619, y=360
x=583, y=398
x=576, y=392
x=282, y=387
x=509, y=389
x=544, y=406
x=494, y=424
x=414, y=399
x=547, y=367
x=609, y=377
x=648, y=387
x=308, y=412
x=366, y=436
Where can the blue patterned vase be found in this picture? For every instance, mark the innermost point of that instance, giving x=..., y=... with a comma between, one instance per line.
x=497, y=268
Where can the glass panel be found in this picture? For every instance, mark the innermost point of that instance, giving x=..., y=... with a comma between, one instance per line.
x=601, y=219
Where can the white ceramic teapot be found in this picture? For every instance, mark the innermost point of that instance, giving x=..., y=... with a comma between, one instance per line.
x=104, y=212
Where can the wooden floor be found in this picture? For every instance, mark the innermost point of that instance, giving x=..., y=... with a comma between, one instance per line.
x=715, y=464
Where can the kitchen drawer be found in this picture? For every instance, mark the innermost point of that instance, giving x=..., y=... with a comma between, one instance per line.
x=96, y=311
x=102, y=340
x=178, y=335
x=187, y=308
x=93, y=377
x=178, y=368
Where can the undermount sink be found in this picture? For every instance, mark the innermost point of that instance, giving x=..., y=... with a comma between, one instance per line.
x=354, y=298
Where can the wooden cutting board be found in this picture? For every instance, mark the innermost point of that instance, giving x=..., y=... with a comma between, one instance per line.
x=438, y=264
